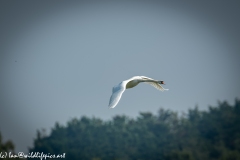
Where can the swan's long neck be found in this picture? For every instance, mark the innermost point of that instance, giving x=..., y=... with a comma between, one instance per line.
x=148, y=80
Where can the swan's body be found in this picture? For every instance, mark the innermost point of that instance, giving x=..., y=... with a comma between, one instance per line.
x=118, y=90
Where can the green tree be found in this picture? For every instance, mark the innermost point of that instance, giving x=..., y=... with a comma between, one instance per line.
x=212, y=134
x=6, y=148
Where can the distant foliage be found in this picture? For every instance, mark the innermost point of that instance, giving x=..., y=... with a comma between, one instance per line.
x=6, y=148
x=197, y=135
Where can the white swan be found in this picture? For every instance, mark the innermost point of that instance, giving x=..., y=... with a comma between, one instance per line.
x=118, y=90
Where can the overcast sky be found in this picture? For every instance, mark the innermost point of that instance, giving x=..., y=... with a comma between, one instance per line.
x=60, y=59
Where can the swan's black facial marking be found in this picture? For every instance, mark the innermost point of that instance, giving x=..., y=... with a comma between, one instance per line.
x=161, y=82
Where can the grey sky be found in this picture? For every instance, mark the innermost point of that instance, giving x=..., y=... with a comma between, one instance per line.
x=60, y=60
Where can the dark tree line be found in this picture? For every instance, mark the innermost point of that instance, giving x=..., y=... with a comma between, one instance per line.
x=7, y=150
x=197, y=135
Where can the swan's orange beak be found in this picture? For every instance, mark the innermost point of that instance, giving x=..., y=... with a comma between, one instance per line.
x=162, y=82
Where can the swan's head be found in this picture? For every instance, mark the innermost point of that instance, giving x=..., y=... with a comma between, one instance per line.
x=161, y=82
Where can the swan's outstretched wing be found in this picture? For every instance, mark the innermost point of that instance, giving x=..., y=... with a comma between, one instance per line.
x=157, y=86
x=117, y=92
x=154, y=84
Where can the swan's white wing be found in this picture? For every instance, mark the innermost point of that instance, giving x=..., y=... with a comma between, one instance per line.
x=116, y=95
x=157, y=86
x=154, y=84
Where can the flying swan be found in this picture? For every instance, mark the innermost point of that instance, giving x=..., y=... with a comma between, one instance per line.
x=118, y=90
